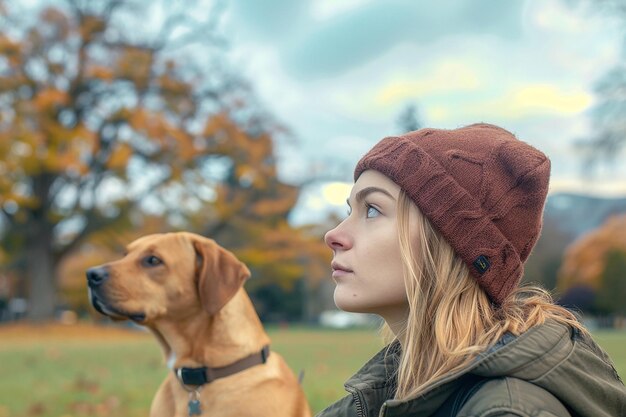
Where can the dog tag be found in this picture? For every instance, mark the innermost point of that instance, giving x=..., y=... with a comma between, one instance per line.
x=194, y=407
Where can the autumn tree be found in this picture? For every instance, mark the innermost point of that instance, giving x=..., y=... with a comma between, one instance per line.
x=595, y=262
x=252, y=208
x=101, y=125
x=612, y=295
x=248, y=214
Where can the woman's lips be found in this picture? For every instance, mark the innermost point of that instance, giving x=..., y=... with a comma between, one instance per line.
x=339, y=270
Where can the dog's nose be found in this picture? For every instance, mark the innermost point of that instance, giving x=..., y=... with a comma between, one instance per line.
x=96, y=276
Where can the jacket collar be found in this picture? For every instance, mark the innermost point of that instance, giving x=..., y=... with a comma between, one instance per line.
x=543, y=355
x=376, y=382
x=511, y=355
x=379, y=371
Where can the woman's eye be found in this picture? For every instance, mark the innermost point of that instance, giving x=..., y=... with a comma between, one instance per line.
x=152, y=261
x=372, y=211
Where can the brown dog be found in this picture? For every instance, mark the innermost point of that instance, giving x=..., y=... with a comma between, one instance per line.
x=189, y=292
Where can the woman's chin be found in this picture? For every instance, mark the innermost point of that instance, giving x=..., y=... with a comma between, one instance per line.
x=349, y=302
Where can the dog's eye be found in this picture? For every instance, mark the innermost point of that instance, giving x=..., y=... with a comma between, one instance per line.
x=151, y=261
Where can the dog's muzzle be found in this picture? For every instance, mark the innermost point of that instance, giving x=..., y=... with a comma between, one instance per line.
x=96, y=277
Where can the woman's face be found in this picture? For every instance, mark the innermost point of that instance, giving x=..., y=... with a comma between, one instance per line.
x=367, y=265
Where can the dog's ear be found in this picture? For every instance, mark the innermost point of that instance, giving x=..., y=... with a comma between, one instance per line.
x=220, y=274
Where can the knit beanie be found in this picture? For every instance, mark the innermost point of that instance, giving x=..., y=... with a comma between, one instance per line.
x=480, y=187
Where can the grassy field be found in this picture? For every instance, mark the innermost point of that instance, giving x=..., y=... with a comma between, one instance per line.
x=79, y=371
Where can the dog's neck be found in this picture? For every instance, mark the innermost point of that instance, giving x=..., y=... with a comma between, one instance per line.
x=232, y=333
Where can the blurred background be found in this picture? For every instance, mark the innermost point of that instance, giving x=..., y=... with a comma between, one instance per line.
x=242, y=121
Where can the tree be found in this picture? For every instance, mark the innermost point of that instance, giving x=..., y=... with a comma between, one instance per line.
x=409, y=119
x=101, y=125
x=545, y=260
x=579, y=298
x=613, y=290
x=250, y=217
x=596, y=262
x=609, y=119
x=608, y=116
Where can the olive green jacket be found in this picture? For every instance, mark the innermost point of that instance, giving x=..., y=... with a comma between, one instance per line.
x=550, y=371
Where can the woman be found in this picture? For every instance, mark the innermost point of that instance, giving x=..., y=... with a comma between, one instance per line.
x=440, y=225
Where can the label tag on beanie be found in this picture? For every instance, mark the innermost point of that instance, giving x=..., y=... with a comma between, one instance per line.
x=482, y=264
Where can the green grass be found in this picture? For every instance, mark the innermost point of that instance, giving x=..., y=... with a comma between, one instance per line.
x=52, y=374
x=327, y=357
x=79, y=378
x=59, y=375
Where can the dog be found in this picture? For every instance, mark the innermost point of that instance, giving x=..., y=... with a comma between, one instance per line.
x=189, y=292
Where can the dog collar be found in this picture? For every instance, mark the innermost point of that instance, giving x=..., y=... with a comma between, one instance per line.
x=198, y=377
x=206, y=375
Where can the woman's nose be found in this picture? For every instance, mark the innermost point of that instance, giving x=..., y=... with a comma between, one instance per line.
x=337, y=238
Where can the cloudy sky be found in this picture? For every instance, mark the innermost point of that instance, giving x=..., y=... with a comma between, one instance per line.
x=338, y=73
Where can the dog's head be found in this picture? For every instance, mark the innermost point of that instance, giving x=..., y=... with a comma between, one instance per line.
x=166, y=275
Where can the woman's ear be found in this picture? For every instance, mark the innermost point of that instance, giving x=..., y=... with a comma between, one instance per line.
x=219, y=274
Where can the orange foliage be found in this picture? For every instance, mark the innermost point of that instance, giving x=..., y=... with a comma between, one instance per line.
x=120, y=157
x=584, y=260
x=135, y=64
x=57, y=20
x=100, y=72
x=49, y=98
x=91, y=26
x=77, y=107
x=10, y=50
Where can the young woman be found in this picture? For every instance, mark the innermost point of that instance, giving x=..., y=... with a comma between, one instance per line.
x=440, y=225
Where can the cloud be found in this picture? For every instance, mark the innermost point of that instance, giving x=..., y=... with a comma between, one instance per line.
x=613, y=187
x=447, y=75
x=563, y=16
x=338, y=73
x=317, y=201
x=324, y=9
x=546, y=99
x=336, y=193
x=520, y=102
x=477, y=78
x=268, y=20
x=352, y=38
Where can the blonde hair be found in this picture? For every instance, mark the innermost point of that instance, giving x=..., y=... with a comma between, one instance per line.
x=450, y=318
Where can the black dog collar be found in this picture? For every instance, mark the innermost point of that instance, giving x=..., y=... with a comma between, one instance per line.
x=206, y=375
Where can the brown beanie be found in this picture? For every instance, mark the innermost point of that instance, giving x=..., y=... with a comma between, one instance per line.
x=480, y=187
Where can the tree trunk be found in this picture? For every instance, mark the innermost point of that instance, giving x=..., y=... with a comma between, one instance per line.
x=40, y=270
x=40, y=262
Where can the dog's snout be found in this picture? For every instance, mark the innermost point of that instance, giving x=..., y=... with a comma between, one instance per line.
x=96, y=276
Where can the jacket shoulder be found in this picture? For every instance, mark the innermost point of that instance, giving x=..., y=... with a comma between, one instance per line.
x=509, y=396
x=343, y=407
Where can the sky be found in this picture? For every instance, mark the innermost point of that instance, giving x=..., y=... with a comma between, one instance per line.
x=338, y=73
